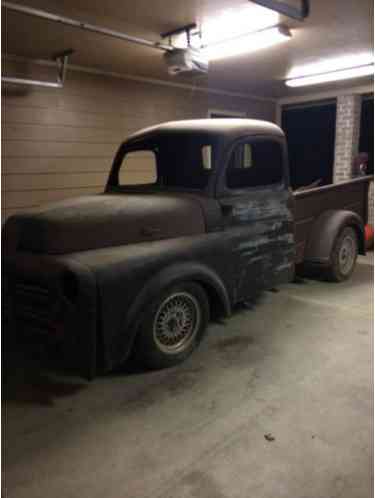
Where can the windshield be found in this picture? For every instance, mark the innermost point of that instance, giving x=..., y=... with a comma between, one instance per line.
x=183, y=162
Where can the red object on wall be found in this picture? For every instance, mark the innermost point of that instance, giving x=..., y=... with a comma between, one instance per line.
x=369, y=236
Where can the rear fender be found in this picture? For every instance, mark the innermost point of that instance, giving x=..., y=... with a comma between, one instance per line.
x=324, y=232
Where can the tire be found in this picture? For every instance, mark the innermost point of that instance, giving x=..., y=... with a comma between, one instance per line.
x=173, y=326
x=343, y=256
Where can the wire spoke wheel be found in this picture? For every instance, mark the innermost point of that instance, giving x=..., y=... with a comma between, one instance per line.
x=173, y=325
x=177, y=322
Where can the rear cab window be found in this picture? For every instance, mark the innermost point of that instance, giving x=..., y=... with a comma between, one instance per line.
x=256, y=163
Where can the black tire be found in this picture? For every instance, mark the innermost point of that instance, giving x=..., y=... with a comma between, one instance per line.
x=343, y=256
x=173, y=326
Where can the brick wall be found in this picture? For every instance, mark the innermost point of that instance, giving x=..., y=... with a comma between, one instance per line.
x=347, y=135
x=348, y=122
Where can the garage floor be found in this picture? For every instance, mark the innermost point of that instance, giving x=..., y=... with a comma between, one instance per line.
x=297, y=367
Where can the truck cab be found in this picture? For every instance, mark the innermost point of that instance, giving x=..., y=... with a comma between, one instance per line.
x=239, y=176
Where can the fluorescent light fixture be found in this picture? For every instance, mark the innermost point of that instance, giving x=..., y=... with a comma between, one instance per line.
x=337, y=75
x=229, y=23
x=334, y=69
x=332, y=64
x=246, y=43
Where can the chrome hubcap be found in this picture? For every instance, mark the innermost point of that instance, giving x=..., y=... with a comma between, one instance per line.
x=347, y=255
x=177, y=322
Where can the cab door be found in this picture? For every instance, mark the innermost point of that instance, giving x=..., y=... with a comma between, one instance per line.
x=257, y=214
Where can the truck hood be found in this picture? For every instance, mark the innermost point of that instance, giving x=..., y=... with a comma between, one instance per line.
x=104, y=220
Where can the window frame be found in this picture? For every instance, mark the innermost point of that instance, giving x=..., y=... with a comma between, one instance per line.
x=222, y=190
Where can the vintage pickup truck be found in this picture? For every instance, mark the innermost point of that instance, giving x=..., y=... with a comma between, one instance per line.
x=141, y=268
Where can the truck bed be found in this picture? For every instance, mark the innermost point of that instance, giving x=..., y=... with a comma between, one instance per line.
x=309, y=204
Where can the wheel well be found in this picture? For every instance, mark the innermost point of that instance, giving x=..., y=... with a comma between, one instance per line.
x=217, y=307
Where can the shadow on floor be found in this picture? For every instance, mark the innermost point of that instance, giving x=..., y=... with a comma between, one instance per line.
x=29, y=375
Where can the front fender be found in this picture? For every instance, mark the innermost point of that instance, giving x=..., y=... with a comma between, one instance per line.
x=128, y=277
x=324, y=232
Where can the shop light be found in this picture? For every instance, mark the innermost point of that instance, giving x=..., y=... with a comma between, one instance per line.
x=247, y=43
x=342, y=68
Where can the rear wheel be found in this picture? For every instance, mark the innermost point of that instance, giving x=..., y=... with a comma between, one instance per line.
x=173, y=326
x=344, y=255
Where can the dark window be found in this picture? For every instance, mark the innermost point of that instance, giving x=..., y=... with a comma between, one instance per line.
x=366, y=141
x=255, y=164
x=310, y=133
x=184, y=164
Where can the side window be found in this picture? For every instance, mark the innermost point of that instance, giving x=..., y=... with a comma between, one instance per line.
x=138, y=168
x=255, y=164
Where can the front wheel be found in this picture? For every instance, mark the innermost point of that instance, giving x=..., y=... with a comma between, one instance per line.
x=173, y=326
x=343, y=256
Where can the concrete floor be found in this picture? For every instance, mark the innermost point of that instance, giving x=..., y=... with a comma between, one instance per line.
x=298, y=366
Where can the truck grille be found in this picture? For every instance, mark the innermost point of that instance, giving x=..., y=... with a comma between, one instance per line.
x=33, y=306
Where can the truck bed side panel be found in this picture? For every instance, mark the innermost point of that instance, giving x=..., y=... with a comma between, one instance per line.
x=351, y=195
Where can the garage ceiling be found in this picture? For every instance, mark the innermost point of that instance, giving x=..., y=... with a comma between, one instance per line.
x=335, y=28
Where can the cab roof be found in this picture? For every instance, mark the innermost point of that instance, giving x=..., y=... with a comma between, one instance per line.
x=224, y=128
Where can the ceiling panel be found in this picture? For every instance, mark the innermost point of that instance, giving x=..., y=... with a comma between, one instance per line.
x=335, y=28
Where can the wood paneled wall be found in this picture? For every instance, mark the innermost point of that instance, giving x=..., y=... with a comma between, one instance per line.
x=60, y=143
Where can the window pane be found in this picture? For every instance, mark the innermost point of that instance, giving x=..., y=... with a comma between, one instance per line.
x=138, y=168
x=254, y=165
x=184, y=163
